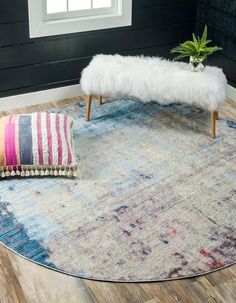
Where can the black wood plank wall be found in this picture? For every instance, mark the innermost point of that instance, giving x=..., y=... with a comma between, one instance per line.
x=28, y=65
x=220, y=16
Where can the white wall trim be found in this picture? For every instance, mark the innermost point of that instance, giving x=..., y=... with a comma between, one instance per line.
x=45, y=96
x=56, y=94
x=231, y=93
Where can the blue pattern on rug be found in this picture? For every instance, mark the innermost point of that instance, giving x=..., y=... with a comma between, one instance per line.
x=231, y=124
x=14, y=235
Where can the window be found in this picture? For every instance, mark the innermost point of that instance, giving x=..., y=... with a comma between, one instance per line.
x=54, y=17
x=78, y=8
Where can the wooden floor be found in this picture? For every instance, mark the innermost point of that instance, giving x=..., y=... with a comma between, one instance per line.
x=24, y=282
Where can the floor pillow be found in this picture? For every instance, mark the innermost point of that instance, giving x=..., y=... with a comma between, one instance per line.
x=38, y=144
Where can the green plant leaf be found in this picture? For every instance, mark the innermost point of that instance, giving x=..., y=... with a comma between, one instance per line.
x=189, y=45
x=211, y=50
x=194, y=39
x=207, y=42
x=177, y=49
x=204, y=35
x=180, y=57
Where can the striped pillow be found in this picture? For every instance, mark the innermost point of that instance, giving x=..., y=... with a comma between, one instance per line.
x=38, y=144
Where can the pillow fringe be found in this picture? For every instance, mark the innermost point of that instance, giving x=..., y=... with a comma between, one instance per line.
x=38, y=170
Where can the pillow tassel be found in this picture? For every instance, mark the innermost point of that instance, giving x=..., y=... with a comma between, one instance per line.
x=55, y=172
x=13, y=173
x=17, y=171
x=60, y=172
x=32, y=172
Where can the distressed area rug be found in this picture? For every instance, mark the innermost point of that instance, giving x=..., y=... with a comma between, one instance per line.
x=155, y=198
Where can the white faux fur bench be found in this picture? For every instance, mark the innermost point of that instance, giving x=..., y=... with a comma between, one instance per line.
x=153, y=78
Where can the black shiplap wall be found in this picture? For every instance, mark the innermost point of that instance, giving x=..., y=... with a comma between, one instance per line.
x=28, y=65
x=220, y=16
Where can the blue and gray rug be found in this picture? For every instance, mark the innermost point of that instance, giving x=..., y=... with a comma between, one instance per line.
x=155, y=198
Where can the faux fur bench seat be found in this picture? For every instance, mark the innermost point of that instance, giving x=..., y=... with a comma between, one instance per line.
x=153, y=78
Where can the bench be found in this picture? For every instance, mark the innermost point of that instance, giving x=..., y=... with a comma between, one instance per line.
x=154, y=79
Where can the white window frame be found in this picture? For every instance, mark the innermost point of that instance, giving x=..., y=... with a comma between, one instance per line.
x=42, y=24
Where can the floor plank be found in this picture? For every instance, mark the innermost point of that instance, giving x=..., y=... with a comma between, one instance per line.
x=203, y=291
x=25, y=282
x=21, y=281
x=10, y=287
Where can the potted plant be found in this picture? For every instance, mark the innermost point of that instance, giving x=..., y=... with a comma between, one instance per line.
x=197, y=50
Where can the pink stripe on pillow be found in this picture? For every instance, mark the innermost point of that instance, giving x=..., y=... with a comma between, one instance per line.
x=10, y=143
x=59, y=139
x=67, y=142
x=40, y=140
x=49, y=131
x=3, y=122
x=17, y=139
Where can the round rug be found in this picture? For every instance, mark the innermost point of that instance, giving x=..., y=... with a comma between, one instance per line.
x=155, y=198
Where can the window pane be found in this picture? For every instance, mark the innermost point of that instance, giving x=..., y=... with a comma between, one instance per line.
x=56, y=6
x=79, y=4
x=101, y=3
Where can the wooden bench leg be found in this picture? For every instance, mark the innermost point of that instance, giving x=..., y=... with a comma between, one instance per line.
x=214, y=116
x=88, y=107
x=100, y=100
